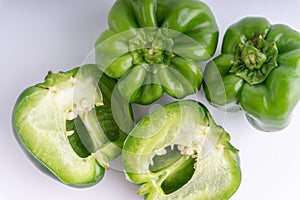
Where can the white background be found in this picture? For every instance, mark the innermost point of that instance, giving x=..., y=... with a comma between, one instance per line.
x=37, y=36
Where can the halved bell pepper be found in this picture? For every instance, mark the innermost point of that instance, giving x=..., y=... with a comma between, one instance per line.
x=178, y=152
x=153, y=46
x=258, y=71
x=66, y=124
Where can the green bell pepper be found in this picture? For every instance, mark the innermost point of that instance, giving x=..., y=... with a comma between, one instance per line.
x=153, y=46
x=67, y=126
x=178, y=152
x=258, y=71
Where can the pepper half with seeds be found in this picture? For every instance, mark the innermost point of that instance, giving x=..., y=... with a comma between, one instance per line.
x=67, y=125
x=178, y=152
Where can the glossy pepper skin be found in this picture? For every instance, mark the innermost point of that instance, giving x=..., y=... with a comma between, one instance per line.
x=258, y=71
x=178, y=152
x=153, y=46
x=67, y=127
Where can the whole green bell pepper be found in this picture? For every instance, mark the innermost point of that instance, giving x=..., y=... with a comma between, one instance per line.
x=178, y=152
x=258, y=70
x=153, y=46
x=66, y=124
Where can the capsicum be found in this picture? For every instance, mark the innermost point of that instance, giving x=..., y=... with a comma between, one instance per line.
x=153, y=46
x=66, y=124
x=257, y=71
x=178, y=152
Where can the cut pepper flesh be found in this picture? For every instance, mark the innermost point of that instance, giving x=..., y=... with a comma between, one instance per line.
x=46, y=123
x=206, y=156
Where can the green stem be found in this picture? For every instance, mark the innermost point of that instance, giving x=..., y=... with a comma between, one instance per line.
x=252, y=57
x=151, y=46
x=255, y=59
